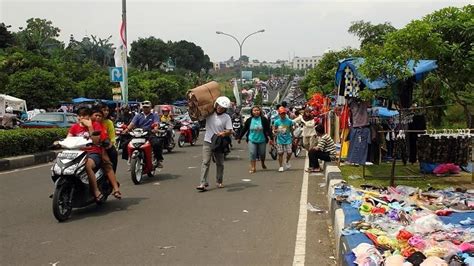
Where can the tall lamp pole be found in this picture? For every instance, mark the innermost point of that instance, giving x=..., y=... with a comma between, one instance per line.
x=240, y=47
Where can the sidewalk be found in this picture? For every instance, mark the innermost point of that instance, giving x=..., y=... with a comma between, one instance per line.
x=11, y=163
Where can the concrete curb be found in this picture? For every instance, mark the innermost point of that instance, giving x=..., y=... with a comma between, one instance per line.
x=12, y=163
x=333, y=176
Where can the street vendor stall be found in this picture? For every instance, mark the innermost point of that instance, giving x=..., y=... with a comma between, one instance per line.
x=17, y=104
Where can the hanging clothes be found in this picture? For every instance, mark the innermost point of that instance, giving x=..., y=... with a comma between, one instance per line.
x=419, y=123
x=359, y=143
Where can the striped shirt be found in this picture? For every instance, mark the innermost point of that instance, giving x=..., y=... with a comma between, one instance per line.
x=326, y=144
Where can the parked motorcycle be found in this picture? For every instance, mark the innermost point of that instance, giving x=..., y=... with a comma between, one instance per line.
x=142, y=161
x=166, y=135
x=71, y=181
x=189, y=133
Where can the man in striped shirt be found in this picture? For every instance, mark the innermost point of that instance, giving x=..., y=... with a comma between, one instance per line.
x=325, y=150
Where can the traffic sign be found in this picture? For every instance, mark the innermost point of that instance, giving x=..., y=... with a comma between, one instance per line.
x=116, y=98
x=116, y=74
x=116, y=90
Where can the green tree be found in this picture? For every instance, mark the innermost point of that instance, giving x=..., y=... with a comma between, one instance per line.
x=6, y=37
x=148, y=53
x=92, y=48
x=41, y=88
x=447, y=36
x=39, y=36
x=371, y=34
x=95, y=86
x=189, y=56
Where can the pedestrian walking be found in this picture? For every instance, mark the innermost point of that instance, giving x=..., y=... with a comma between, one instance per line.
x=283, y=127
x=218, y=127
x=258, y=133
x=309, y=133
x=325, y=150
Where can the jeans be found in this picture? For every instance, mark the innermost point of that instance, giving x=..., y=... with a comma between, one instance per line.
x=315, y=156
x=257, y=149
x=113, y=155
x=206, y=162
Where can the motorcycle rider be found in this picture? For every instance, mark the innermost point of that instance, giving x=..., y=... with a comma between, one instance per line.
x=145, y=120
x=218, y=126
x=167, y=118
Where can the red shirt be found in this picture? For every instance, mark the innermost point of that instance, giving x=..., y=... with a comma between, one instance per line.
x=78, y=130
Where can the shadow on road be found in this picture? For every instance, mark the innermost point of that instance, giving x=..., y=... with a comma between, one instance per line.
x=110, y=206
x=239, y=186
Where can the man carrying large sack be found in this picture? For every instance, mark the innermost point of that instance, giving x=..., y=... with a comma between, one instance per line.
x=218, y=126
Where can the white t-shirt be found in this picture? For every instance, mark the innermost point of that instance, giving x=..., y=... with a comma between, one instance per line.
x=215, y=124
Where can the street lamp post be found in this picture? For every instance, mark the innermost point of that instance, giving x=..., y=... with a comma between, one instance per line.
x=240, y=48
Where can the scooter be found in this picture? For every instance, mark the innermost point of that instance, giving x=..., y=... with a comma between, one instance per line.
x=166, y=135
x=71, y=181
x=142, y=161
x=189, y=133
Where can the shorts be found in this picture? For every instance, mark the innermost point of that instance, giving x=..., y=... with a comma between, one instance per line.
x=97, y=158
x=284, y=148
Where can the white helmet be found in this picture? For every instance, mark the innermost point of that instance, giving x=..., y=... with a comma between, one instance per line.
x=223, y=101
x=9, y=109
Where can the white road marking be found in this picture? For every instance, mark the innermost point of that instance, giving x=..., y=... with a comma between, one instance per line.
x=300, y=244
x=25, y=168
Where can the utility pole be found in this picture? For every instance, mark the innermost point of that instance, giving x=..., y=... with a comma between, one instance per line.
x=125, y=66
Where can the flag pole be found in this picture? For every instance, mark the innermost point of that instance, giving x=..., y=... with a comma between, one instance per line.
x=125, y=66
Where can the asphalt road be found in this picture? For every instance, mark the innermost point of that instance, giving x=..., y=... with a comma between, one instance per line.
x=166, y=221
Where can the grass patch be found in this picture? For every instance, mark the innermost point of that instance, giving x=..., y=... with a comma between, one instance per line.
x=378, y=175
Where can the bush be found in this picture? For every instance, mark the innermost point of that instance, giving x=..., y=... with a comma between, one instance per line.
x=27, y=141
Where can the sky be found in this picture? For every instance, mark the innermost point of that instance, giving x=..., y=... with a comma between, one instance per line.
x=292, y=27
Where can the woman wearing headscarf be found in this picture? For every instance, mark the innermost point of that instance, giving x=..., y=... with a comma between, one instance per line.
x=309, y=134
x=258, y=131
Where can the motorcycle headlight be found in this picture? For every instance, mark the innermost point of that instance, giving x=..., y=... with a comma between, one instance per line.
x=71, y=169
x=56, y=169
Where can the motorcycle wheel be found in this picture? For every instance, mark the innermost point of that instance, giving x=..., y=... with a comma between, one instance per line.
x=297, y=151
x=181, y=141
x=273, y=153
x=136, y=168
x=62, y=206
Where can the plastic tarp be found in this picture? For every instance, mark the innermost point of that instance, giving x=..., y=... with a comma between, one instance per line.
x=7, y=100
x=383, y=112
x=82, y=100
x=419, y=70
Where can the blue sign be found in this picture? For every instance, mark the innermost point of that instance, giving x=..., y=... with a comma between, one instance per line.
x=247, y=75
x=116, y=74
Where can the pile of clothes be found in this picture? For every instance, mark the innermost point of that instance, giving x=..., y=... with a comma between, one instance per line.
x=410, y=227
x=201, y=100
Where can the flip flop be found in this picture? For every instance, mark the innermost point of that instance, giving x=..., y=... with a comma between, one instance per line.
x=99, y=198
x=201, y=188
x=117, y=194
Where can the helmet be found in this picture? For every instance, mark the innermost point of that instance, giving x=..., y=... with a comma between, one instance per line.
x=223, y=101
x=282, y=110
x=165, y=109
x=9, y=109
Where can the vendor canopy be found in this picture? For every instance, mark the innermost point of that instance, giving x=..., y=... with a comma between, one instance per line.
x=16, y=103
x=82, y=100
x=419, y=70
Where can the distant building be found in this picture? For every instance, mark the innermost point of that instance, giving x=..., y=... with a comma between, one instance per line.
x=305, y=62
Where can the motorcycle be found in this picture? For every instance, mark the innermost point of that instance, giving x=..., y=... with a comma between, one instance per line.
x=142, y=161
x=189, y=133
x=119, y=127
x=236, y=125
x=166, y=135
x=297, y=144
x=71, y=181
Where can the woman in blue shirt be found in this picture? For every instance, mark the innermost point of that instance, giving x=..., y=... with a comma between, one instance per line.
x=258, y=132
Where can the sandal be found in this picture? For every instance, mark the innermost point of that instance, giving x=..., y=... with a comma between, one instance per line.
x=99, y=197
x=201, y=188
x=251, y=171
x=117, y=194
x=220, y=185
